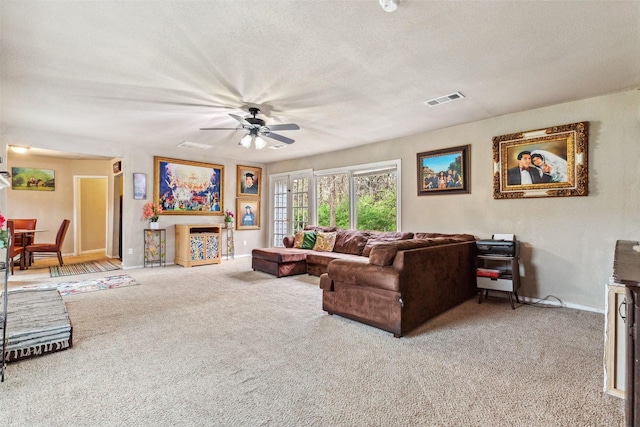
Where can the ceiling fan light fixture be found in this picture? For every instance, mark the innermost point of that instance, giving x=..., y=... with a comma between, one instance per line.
x=389, y=5
x=246, y=140
x=260, y=143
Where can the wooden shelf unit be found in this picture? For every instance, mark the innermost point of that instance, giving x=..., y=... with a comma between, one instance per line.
x=197, y=244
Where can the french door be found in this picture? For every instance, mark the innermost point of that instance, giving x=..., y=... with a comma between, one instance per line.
x=291, y=196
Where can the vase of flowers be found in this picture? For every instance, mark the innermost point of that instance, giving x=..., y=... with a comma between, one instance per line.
x=151, y=212
x=228, y=219
x=3, y=233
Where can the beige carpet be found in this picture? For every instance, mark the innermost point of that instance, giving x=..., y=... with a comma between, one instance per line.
x=224, y=346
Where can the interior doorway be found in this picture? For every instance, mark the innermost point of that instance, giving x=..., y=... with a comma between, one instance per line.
x=90, y=214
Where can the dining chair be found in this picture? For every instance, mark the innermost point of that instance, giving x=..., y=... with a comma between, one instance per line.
x=51, y=247
x=29, y=238
x=14, y=249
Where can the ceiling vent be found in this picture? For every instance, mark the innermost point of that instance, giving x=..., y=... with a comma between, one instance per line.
x=197, y=146
x=277, y=146
x=444, y=99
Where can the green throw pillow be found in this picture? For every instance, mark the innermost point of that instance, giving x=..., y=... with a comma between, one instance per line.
x=309, y=240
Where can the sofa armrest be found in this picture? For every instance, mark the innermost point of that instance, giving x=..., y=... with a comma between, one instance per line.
x=288, y=241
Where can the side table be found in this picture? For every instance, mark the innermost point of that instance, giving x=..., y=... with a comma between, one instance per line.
x=155, y=241
x=230, y=243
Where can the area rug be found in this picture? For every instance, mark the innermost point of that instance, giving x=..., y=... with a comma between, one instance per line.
x=68, y=288
x=84, y=268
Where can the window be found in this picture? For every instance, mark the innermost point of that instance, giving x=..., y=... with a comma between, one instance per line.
x=364, y=195
x=290, y=208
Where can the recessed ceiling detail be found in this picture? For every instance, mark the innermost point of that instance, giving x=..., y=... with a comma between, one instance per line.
x=444, y=99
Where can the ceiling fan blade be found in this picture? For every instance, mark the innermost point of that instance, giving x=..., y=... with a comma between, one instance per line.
x=290, y=126
x=279, y=137
x=220, y=128
x=242, y=121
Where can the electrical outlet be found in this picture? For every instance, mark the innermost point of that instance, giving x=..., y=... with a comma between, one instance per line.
x=130, y=251
x=244, y=242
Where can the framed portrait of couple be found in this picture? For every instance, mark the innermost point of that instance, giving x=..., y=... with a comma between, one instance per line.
x=549, y=162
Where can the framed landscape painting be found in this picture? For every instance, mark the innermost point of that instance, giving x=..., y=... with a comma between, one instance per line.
x=249, y=180
x=247, y=214
x=444, y=171
x=184, y=187
x=33, y=179
x=549, y=162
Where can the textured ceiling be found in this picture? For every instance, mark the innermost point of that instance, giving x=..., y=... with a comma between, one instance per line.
x=99, y=76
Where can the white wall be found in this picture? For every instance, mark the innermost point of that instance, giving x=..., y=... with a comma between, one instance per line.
x=568, y=242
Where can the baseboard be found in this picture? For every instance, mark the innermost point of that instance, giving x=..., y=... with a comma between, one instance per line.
x=550, y=303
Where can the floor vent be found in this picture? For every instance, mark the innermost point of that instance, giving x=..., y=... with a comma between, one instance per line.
x=444, y=99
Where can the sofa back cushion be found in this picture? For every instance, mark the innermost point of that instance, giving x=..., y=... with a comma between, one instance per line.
x=320, y=228
x=384, y=236
x=441, y=236
x=325, y=242
x=351, y=241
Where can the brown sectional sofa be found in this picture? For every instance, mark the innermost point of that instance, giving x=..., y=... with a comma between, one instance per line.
x=393, y=281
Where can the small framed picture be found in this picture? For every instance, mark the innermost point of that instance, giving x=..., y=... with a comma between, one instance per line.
x=139, y=186
x=444, y=171
x=247, y=214
x=249, y=180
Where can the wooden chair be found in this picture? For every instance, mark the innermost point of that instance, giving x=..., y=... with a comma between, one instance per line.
x=51, y=247
x=29, y=239
x=14, y=250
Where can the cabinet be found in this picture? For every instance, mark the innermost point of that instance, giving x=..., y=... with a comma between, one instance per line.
x=626, y=270
x=499, y=273
x=197, y=244
x=155, y=241
x=615, y=340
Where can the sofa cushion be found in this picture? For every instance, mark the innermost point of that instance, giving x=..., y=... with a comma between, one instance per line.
x=384, y=236
x=452, y=237
x=351, y=241
x=325, y=242
x=280, y=255
x=304, y=239
x=320, y=228
x=366, y=275
x=384, y=253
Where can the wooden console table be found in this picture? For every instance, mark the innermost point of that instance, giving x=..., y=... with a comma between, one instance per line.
x=626, y=270
x=197, y=244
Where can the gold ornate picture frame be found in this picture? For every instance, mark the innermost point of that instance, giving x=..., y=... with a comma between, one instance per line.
x=550, y=162
x=248, y=181
x=247, y=214
x=183, y=187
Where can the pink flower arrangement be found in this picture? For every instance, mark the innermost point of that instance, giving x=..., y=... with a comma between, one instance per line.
x=228, y=215
x=151, y=211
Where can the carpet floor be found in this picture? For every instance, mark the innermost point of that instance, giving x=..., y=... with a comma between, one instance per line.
x=222, y=345
x=83, y=268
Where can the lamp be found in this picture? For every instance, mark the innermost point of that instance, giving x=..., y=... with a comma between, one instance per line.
x=253, y=136
x=246, y=140
x=260, y=143
x=19, y=149
x=389, y=5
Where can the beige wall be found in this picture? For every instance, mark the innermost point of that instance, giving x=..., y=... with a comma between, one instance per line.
x=51, y=207
x=567, y=242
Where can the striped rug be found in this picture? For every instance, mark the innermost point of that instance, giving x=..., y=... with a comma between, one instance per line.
x=84, y=268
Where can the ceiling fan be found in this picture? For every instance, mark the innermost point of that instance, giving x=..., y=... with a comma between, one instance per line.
x=257, y=129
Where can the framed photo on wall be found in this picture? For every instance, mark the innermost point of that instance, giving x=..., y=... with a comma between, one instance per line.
x=139, y=186
x=444, y=171
x=249, y=180
x=184, y=187
x=33, y=179
x=549, y=162
x=247, y=214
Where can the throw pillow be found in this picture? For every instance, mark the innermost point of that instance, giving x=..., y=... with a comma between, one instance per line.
x=325, y=242
x=304, y=239
x=309, y=240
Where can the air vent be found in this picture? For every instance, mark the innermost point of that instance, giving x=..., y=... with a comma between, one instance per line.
x=444, y=99
x=197, y=146
x=277, y=146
